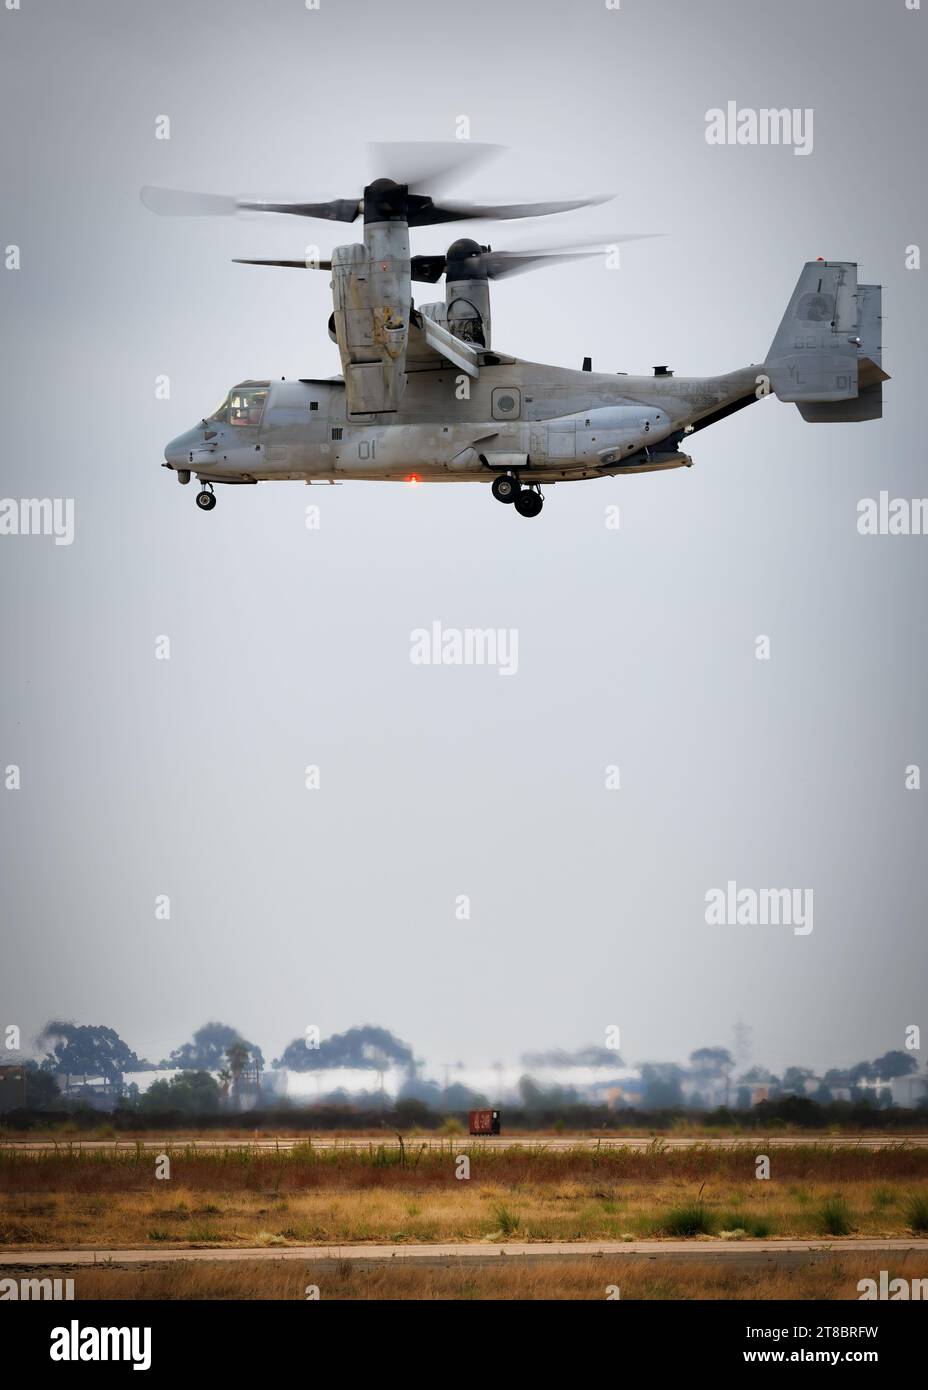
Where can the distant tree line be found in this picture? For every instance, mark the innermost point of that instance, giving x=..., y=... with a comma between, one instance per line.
x=218, y=1068
x=189, y=1103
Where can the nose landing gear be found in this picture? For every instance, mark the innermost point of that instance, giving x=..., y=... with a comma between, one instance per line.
x=206, y=500
x=528, y=501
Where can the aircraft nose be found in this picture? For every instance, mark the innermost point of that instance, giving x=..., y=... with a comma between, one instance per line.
x=176, y=453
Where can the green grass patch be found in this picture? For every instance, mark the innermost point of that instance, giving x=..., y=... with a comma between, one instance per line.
x=834, y=1218
x=688, y=1219
x=507, y=1220
x=916, y=1213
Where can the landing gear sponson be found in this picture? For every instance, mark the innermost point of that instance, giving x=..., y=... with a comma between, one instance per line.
x=527, y=501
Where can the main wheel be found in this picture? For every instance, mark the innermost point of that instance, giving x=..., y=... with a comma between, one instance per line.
x=529, y=503
x=206, y=501
x=505, y=488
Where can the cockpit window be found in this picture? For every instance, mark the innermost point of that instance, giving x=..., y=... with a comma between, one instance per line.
x=244, y=405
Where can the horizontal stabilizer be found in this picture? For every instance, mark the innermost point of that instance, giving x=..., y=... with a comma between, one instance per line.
x=867, y=406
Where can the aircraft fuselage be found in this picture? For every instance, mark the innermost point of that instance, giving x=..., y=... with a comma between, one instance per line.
x=542, y=423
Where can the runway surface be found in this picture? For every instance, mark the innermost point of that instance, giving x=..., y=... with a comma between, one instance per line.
x=749, y=1253
x=263, y=1143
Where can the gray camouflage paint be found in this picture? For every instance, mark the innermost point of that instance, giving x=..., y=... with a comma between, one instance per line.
x=548, y=424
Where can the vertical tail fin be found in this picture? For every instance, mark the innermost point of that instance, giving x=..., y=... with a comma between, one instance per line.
x=827, y=354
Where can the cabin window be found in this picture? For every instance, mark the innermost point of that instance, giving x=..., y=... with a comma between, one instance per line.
x=505, y=402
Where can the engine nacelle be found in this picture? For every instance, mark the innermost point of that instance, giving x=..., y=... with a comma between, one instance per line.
x=467, y=311
x=370, y=291
x=467, y=293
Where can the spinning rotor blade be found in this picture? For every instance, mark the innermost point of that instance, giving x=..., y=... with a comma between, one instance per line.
x=427, y=269
x=290, y=265
x=425, y=166
x=430, y=214
x=470, y=261
x=501, y=264
x=171, y=202
x=417, y=174
x=174, y=202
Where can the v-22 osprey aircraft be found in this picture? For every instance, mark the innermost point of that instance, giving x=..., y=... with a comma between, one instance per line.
x=424, y=396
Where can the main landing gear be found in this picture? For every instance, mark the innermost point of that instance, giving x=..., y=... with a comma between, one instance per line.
x=206, y=500
x=527, y=501
x=505, y=487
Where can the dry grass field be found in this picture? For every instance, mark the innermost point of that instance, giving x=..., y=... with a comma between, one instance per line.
x=834, y=1277
x=304, y=1196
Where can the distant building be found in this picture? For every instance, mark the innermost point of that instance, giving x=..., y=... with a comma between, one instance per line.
x=909, y=1091
x=99, y=1092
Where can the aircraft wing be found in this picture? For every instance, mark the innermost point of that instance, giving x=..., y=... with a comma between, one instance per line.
x=430, y=340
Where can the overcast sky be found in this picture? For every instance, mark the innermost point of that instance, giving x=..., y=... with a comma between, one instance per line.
x=290, y=647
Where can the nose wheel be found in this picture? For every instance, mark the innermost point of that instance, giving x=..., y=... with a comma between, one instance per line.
x=206, y=500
